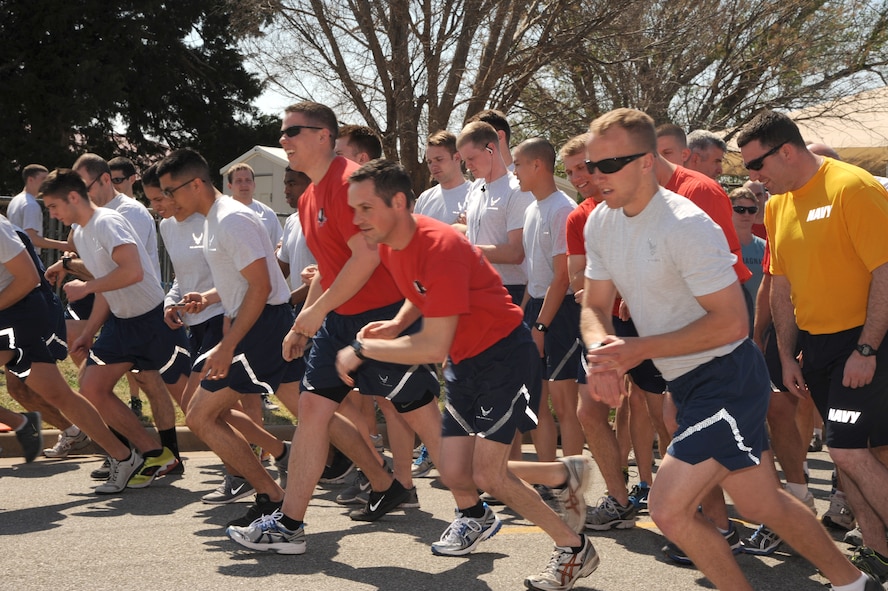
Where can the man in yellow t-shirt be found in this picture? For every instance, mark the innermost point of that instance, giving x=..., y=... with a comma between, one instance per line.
x=827, y=223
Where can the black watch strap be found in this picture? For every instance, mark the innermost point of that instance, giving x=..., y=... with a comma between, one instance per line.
x=866, y=350
x=541, y=327
x=358, y=348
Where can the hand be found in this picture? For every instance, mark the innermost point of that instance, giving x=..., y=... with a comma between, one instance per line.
x=383, y=329
x=217, y=363
x=81, y=345
x=607, y=387
x=56, y=273
x=195, y=302
x=309, y=321
x=308, y=274
x=346, y=363
x=578, y=296
x=859, y=370
x=793, y=379
x=293, y=346
x=76, y=290
x=172, y=318
x=616, y=354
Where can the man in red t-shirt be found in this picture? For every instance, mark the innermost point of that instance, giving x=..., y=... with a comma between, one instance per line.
x=492, y=364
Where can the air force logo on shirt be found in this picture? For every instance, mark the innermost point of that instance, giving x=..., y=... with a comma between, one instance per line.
x=419, y=287
x=322, y=217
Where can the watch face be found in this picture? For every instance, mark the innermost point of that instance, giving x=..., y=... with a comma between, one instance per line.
x=866, y=350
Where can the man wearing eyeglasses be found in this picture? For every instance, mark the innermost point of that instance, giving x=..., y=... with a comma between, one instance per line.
x=827, y=222
x=658, y=249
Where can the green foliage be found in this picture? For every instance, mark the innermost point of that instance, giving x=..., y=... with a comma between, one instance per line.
x=130, y=78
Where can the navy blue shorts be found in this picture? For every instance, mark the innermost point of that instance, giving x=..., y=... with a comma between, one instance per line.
x=258, y=365
x=81, y=309
x=722, y=407
x=645, y=375
x=562, y=345
x=854, y=417
x=56, y=339
x=23, y=330
x=404, y=385
x=490, y=395
x=179, y=362
x=517, y=293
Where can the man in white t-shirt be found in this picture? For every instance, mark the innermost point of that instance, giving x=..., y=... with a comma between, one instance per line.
x=446, y=200
x=242, y=184
x=24, y=212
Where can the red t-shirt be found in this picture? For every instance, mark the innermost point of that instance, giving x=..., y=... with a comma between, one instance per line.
x=709, y=196
x=326, y=221
x=442, y=274
x=576, y=222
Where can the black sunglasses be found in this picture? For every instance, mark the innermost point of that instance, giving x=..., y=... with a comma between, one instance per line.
x=295, y=130
x=751, y=209
x=760, y=161
x=611, y=165
x=118, y=179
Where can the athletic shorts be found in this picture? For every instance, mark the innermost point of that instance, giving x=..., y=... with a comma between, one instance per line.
x=490, y=395
x=562, y=346
x=722, y=406
x=56, y=339
x=854, y=417
x=258, y=365
x=645, y=375
x=404, y=385
x=81, y=309
x=23, y=330
x=178, y=364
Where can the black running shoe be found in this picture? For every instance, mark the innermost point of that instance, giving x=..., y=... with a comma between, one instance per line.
x=381, y=503
x=262, y=506
x=30, y=437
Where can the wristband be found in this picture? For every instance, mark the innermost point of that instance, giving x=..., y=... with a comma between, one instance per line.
x=541, y=327
x=358, y=347
x=66, y=263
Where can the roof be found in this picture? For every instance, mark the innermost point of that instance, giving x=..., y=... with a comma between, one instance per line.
x=276, y=155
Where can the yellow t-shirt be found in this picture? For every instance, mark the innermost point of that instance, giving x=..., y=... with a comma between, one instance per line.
x=826, y=238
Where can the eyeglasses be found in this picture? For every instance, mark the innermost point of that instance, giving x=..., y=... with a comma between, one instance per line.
x=751, y=209
x=116, y=180
x=89, y=186
x=168, y=193
x=295, y=130
x=611, y=165
x=760, y=161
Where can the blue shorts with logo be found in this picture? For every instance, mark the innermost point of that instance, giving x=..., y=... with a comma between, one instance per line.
x=404, y=385
x=491, y=394
x=722, y=406
x=23, y=329
x=562, y=345
x=645, y=375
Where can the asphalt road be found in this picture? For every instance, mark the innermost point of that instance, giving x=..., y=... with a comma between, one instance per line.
x=56, y=534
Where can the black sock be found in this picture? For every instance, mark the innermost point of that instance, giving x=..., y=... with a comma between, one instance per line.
x=168, y=439
x=290, y=524
x=475, y=512
x=578, y=549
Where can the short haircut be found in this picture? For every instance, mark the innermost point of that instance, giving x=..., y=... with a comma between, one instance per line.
x=59, y=183
x=700, y=140
x=743, y=193
x=480, y=134
x=537, y=148
x=363, y=139
x=301, y=176
x=150, y=178
x=32, y=170
x=673, y=130
x=317, y=114
x=388, y=177
x=637, y=124
x=239, y=166
x=443, y=139
x=496, y=118
x=94, y=164
x=184, y=162
x=573, y=146
x=122, y=164
x=771, y=129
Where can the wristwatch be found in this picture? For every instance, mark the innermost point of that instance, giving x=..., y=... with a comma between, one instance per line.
x=358, y=348
x=66, y=263
x=866, y=350
x=541, y=327
x=593, y=346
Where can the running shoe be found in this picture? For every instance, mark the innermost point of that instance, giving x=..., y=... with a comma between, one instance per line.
x=412, y=500
x=854, y=537
x=610, y=514
x=154, y=464
x=816, y=444
x=872, y=563
x=839, y=515
x=423, y=464
x=338, y=470
x=358, y=493
x=570, y=499
x=232, y=489
x=120, y=474
x=267, y=534
x=638, y=495
x=465, y=533
x=261, y=506
x=30, y=436
x=267, y=404
x=677, y=555
x=380, y=503
x=565, y=568
x=762, y=542
x=66, y=444
x=378, y=444
x=103, y=472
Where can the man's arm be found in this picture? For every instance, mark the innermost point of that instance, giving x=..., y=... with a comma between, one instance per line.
x=859, y=370
x=128, y=272
x=25, y=279
x=576, y=264
x=553, y=299
x=783, y=314
x=509, y=253
x=596, y=326
x=40, y=242
x=762, y=312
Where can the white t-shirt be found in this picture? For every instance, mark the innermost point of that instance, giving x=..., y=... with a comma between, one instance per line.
x=184, y=244
x=660, y=261
x=492, y=211
x=142, y=222
x=545, y=236
x=95, y=242
x=233, y=238
x=444, y=205
x=294, y=250
x=269, y=220
x=10, y=247
x=25, y=212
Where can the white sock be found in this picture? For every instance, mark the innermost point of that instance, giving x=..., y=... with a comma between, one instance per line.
x=799, y=491
x=858, y=585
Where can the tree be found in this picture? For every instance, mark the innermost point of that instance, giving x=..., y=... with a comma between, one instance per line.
x=408, y=67
x=132, y=78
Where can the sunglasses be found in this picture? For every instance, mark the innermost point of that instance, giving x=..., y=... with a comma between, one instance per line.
x=295, y=130
x=118, y=179
x=751, y=209
x=760, y=161
x=611, y=165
